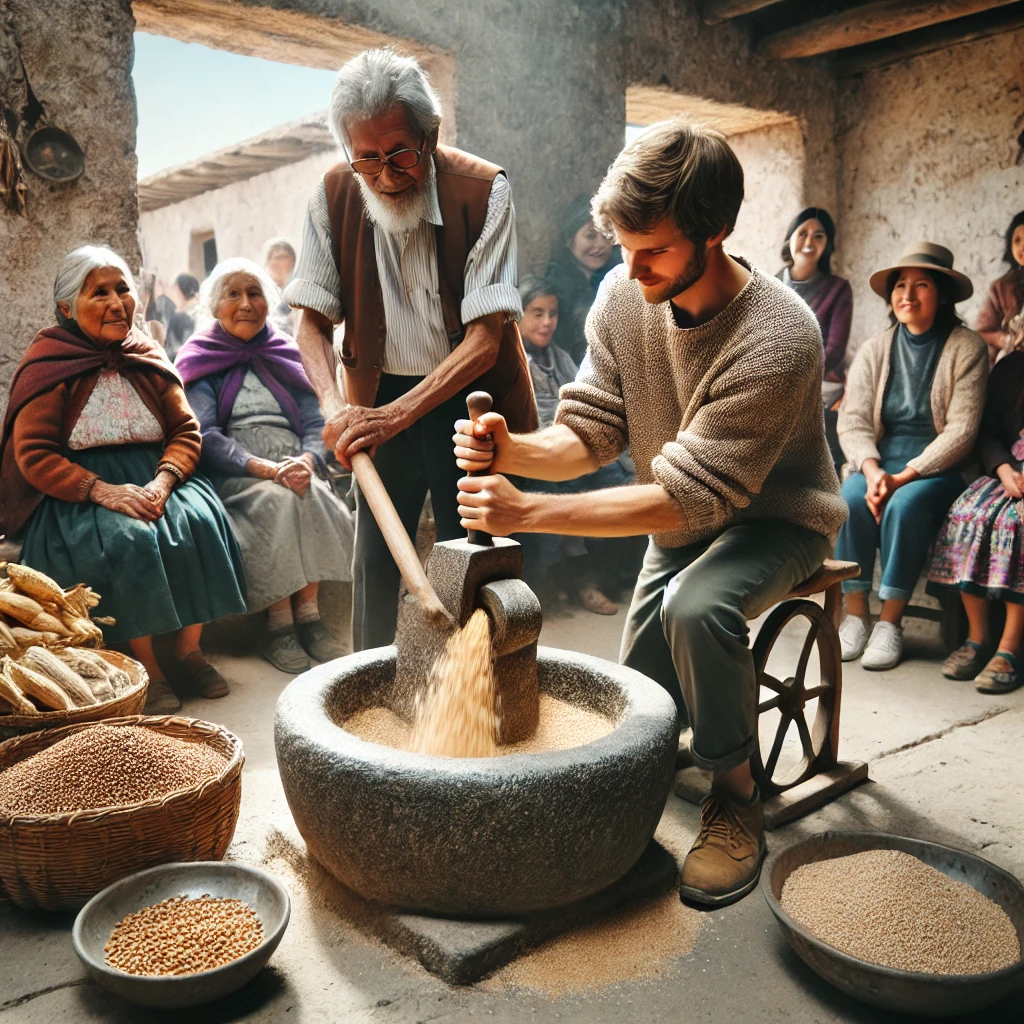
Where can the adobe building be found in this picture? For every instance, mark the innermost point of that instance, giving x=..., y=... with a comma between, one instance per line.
x=904, y=120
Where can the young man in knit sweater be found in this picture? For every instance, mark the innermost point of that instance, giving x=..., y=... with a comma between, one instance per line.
x=711, y=372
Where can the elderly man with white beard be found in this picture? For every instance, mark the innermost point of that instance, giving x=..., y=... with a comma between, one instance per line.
x=411, y=245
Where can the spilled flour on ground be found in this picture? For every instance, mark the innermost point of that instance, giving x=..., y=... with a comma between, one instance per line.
x=637, y=943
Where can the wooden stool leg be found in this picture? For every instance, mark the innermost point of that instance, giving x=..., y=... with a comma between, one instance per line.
x=834, y=603
x=834, y=610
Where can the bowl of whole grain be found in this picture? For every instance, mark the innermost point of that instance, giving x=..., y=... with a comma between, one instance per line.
x=181, y=935
x=84, y=805
x=899, y=923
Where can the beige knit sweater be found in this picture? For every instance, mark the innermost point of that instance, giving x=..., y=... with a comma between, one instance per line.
x=957, y=398
x=726, y=416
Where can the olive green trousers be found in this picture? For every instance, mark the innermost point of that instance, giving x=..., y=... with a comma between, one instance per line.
x=687, y=625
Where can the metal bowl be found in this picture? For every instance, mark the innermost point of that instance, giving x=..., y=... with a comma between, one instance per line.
x=96, y=920
x=932, y=995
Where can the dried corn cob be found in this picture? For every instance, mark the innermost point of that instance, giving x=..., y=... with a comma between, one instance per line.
x=7, y=638
x=31, y=613
x=35, y=583
x=11, y=693
x=35, y=684
x=26, y=637
x=94, y=676
x=89, y=664
x=49, y=665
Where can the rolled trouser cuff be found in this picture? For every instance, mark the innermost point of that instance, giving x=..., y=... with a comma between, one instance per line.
x=727, y=761
x=894, y=593
x=854, y=586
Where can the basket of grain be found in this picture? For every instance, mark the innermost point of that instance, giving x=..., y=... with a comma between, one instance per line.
x=84, y=805
x=116, y=685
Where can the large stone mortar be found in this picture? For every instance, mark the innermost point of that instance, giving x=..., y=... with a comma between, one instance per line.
x=476, y=837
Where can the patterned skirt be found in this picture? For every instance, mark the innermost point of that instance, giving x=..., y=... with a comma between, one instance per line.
x=978, y=549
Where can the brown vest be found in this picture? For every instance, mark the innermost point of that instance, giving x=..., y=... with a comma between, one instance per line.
x=463, y=188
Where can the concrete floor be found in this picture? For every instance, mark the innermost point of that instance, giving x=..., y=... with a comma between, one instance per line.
x=945, y=765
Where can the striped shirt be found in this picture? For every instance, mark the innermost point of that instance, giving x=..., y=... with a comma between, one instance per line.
x=417, y=340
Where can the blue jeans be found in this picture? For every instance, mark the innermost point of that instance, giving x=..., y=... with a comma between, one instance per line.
x=910, y=519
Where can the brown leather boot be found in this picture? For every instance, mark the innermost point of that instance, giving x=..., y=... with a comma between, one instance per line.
x=725, y=861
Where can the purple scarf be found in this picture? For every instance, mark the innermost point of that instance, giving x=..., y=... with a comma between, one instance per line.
x=273, y=356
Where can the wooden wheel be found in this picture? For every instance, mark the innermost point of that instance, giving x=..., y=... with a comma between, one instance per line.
x=786, y=700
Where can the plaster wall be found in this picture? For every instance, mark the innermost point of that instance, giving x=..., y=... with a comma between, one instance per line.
x=79, y=59
x=242, y=216
x=927, y=149
x=773, y=184
x=667, y=45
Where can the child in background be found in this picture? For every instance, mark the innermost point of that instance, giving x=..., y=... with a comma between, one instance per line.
x=555, y=565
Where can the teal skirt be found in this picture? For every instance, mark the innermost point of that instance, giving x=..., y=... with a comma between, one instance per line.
x=153, y=577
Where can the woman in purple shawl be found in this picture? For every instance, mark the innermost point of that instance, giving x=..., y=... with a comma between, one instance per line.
x=262, y=449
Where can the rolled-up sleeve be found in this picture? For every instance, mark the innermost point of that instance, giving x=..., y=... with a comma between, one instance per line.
x=315, y=283
x=491, y=267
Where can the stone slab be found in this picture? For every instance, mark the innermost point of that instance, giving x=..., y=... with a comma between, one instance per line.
x=462, y=952
x=692, y=785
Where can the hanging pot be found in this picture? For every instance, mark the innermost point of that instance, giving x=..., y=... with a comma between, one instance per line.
x=50, y=152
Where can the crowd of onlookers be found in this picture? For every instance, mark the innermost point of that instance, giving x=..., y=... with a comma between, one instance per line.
x=923, y=408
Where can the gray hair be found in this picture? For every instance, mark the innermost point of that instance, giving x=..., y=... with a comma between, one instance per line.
x=213, y=287
x=78, y=265
x=377, y=81
x=280, y=244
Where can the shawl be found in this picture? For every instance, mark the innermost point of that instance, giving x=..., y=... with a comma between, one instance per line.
x=273, y=356
x=59, y=355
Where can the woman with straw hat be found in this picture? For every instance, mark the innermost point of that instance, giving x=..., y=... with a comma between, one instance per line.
x=907, y=426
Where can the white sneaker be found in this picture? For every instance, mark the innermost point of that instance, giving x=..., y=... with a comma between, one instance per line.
x=853, y=636
x=885, y=647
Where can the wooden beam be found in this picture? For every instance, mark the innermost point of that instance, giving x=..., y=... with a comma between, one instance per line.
x=938, y=37
x=714, y=11
x=867, y=23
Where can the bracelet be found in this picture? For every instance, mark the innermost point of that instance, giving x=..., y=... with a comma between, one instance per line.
x=173, y=470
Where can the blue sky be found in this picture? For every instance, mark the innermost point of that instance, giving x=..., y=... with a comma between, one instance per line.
x=192, y=99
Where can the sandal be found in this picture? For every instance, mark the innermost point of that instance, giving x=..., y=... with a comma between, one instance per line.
x=202, y=678
x=966, y=661
x=994, y=679
x=282, y=649
x=594, y=601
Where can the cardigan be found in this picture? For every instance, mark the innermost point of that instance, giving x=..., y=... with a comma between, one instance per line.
x=957, y=399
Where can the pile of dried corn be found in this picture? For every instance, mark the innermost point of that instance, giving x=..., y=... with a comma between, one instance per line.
x=44, y=631
x=105, y=766
x=37, y=611
x=184, y=936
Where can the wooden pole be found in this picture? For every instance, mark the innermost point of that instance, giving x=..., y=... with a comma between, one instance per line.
x=867, y=23
x=479, y=404
x=714, y=11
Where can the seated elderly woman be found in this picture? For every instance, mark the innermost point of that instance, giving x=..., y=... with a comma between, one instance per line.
x=262, y=446
x=978, y=550
x=907, y=425
x=98, y=450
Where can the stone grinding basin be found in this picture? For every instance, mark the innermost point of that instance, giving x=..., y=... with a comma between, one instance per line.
x=476, y=837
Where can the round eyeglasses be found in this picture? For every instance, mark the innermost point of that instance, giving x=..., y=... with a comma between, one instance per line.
x=400, y=160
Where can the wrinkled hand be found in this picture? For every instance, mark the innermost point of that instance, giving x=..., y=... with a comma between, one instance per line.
x=1012, y=481
x=160, y=487
x=874, y=475
x=295, y=473
x=127, y=499
x=361, y=429
x=492, y=504
x=478, y=444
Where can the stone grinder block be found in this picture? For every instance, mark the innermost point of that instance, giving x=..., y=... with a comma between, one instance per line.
x=465, y=577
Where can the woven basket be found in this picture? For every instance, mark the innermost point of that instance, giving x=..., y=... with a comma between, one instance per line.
x=59, y=861
x=129, y=703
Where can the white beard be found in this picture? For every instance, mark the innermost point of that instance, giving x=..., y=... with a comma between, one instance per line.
x=400, y=213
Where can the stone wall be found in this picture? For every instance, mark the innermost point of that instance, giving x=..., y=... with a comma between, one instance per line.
x=242, y=216
x=927, y=149
x=79, y=58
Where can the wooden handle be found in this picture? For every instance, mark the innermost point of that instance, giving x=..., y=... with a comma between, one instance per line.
x=397, y=539
x=479, y=404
